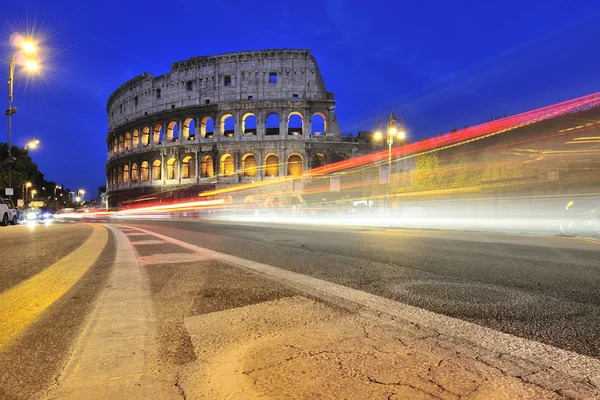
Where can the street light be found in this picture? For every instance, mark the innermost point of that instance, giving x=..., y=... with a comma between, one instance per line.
x=32, y=144
x=26, y=47
x=33, y=193
x=393, y=131
x=56, y=187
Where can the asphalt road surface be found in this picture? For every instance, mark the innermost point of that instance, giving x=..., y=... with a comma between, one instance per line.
x=543, y=288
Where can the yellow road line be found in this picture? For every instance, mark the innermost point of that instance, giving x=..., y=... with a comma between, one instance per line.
x=21, y=305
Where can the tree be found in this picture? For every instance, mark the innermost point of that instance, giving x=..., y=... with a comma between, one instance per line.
x=23, y=170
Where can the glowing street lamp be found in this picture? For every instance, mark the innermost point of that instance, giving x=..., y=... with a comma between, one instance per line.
x=26, y=47
x=393, y=131
x=32, y=144
x=56, y=187
x=26, y=186
x=33, y=193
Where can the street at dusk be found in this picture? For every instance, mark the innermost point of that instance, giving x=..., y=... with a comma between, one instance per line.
x=333, y=200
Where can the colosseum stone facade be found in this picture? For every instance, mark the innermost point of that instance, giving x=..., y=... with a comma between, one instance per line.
x=221, y=120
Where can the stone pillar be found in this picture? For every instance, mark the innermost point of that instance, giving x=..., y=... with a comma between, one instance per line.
x=163, y=168
x=196, y=167
x=260, y=164
x=283, y=125
x=180, y=130
x=216, y=164
x=179, y=165
x=306, y=125
x=237, y=125
x=261, y=125
x=282, y=163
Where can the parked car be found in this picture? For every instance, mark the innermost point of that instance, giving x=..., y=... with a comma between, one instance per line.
x=8, y=212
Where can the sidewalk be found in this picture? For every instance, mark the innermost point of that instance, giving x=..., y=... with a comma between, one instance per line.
x=298, y=348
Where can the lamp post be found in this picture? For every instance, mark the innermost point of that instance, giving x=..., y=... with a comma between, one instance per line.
x=33, y=193
x=56, y=187
x=393, y=131
x=26, y=47
x=25, y=187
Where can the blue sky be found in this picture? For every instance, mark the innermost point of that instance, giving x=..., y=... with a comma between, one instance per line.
x=438, y=64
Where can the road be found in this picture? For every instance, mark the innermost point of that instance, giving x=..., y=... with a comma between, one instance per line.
x=539, y=289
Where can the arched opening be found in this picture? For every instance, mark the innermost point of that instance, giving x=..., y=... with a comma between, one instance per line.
x=295, y=123
x=136, y=139
x=119, y=176
x=144, y=171
x=271, y=165
x=134, y=173
x=156, y=170
x=207, y=127
x=120, y=144
x=318, y=124
x=173, y=131
x=272, y=124
x=272, y=201
x=189, y=129
x=114, y=143
x=157, y=134
x=249, y=124
x=294, y=165
x=227, y=125
x=187, y=167
x=249, y=165
x=145, y=135
x=249, y=199
x=126, y=174
x=128, y=141
x=114, y=176
x=207, y=168
x=317, y=160
x=227, y=165
x=172, y=168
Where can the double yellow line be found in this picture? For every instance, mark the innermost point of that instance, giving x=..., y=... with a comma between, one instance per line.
x=22, y=305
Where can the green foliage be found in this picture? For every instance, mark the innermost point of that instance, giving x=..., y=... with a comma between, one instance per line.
x=427, y=175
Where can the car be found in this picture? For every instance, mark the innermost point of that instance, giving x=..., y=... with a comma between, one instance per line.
x=8, y=212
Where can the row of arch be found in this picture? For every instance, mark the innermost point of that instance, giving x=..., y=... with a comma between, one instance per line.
x=249, y=167
x=157, y=134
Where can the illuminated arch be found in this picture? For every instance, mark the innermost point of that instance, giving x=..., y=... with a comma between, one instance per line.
x=126, y=173
x=145, y=136
x=249, y=124
x=187, y=167
x=271, y=165
x=119, y=176
x=172, y=168
x=294, y=165
x=318, y=124
x=189, y=129
x=207, y=167
x=249, y=199
x=115, y=145
x=134, y=173
x=227, y=165
x=127, y=141
x=157, y=134
x=272, y=124
x=227, y=125
x=135, y=139
x=156, y=170
x=121, y=144
x=207, y=127
x=295, y=123
x=249, y=165
x=173, y=131
x=144, y=171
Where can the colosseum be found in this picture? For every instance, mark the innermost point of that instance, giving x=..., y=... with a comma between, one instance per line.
x=222, y=120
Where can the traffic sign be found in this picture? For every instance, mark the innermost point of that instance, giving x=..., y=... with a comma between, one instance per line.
x=9, y=191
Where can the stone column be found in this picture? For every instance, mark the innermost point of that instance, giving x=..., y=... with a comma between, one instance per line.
x=163, y=168
x=237, y=125
x=179, y=165
x=196, y=167
x=261, y=125
x=283, y=125
x=180, y=130
x=306, y=125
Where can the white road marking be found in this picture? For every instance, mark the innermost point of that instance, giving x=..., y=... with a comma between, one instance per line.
x=113, y=357
x=143, y=242
x=567, y=362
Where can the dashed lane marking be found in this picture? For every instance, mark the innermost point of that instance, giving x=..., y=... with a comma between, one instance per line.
x=21, y=305
x=143, y=242
x=570, y=363
x=172, y=258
